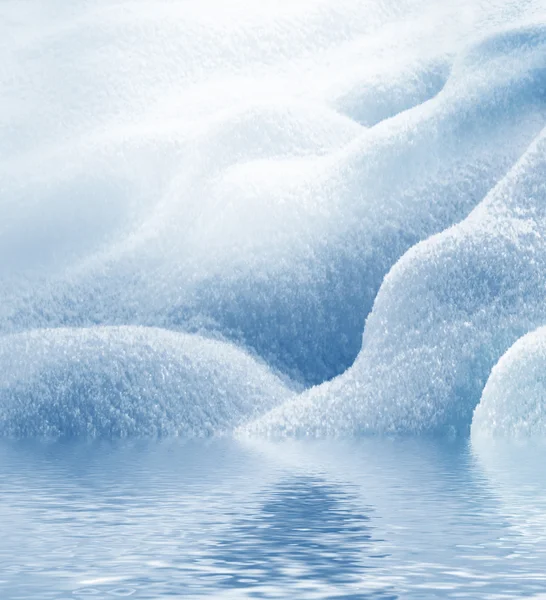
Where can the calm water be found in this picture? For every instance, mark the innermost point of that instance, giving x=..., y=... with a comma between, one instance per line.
x=370, y=519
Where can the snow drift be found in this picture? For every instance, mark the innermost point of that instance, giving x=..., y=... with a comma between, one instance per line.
x=444, y=315
x=266, y=174
x=127, y=381
x=513, y=402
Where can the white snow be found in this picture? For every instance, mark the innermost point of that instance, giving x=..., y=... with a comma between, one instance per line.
x=444, y=315
x=513, y=402
x=266, y=173
x=127, y=381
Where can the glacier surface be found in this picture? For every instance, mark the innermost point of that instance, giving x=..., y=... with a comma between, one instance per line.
x=266, y=197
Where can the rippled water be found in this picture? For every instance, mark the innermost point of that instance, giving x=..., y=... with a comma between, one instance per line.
x=368, y=519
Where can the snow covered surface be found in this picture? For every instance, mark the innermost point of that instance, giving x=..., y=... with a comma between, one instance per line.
x=513, y=402
x=122, y=381
x=444, y=315
x=265, y=174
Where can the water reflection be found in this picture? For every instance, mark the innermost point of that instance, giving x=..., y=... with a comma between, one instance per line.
x=308, y=534
x=516, y=475
x=367, y=519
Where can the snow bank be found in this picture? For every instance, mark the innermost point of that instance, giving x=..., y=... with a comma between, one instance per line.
x=444, y=315
x=128, y=381
x=252, y=172
x=513, y=402
x=273, y=224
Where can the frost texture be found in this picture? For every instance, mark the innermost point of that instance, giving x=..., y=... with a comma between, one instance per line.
x=251, y=172
x=513, y=403
x=127, y=381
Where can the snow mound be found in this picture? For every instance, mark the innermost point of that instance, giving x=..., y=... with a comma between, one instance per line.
x=274, y=226
x=255, y=172
x=374, y=98
x=128, y=381
x=513, y=402
x=444, y=315
x=287, y=253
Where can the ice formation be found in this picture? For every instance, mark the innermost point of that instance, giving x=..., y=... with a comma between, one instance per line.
x=125, y=381
x=513, y=402
x=251, y=173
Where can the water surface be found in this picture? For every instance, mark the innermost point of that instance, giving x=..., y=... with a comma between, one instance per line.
x=372, y=518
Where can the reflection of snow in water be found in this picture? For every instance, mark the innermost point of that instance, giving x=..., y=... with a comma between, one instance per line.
x=368, y=519
x=307, y=536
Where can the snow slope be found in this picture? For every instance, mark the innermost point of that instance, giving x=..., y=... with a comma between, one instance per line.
x=343, y=194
